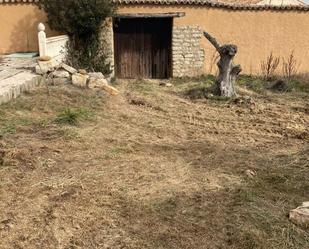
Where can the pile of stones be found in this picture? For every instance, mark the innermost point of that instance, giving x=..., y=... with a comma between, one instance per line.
x=61, y=73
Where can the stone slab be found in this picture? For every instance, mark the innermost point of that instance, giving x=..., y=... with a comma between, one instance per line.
x=12, y=87
x=68, y=68
x=4, y=74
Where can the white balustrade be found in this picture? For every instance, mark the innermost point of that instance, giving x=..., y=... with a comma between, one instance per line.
x=54, y=47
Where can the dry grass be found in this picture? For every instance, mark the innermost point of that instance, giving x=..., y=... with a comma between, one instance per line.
x=153, y=169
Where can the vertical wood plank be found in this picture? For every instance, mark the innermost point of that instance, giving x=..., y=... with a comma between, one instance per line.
x=143, y=47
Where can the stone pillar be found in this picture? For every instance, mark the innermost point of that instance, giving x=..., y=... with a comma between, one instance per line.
x=107, y=43
x=42, y=39
x=187, y=55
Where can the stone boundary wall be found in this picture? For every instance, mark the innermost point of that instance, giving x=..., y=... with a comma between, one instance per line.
x=256, y=34
x=187, y=55
x=18, y=27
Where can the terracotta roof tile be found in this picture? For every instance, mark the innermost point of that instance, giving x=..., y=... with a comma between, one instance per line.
x=18, y=1
x=240, y=1
x=227, y=4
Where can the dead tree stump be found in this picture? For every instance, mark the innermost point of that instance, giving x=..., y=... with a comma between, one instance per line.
x=227, y=70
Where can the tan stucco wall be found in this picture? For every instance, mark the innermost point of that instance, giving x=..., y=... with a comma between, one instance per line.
x=18, y=27
x=257, y=33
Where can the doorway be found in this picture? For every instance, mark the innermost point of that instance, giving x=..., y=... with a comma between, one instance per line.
x=143, y=47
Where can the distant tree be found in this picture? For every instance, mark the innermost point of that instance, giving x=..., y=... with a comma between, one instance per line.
x=82, y=20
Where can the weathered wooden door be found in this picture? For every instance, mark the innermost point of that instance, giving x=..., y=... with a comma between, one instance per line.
x=142, y=47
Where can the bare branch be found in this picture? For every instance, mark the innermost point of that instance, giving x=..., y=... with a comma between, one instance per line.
x=269, y=66
x=290, y=66
x=212, y=40
x=236, y=70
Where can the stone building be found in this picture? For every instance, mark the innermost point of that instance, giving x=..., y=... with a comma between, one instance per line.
x=163, y=38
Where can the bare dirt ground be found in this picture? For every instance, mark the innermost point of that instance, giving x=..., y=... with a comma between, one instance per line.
x=152, y=168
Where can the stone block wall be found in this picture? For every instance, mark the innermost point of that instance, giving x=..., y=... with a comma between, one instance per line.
x=187, y=55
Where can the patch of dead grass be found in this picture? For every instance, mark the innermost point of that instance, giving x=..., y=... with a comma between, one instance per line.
x=153, y=170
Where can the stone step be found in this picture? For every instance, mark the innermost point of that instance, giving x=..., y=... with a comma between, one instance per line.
x=9, y=63
x=7, y=73
x=12, y=87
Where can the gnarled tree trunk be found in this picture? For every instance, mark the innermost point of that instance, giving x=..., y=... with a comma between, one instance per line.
x=227, y=70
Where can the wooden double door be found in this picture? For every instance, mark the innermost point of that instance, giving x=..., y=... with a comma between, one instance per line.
x=143, y=47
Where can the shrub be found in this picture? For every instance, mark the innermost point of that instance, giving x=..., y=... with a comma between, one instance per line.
x=82, y=20
x=72, y=116
x=290, y=66
x=269, y=66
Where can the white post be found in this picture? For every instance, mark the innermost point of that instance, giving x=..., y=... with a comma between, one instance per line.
x=42, y=39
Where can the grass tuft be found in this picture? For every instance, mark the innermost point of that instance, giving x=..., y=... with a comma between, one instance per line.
x=72, y=116
x=9, y=128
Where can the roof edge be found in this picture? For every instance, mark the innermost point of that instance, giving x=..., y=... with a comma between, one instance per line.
x=18, y=1
x=207, y=3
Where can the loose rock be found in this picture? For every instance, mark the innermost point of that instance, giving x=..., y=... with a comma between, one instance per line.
x=109, y=79
x=96, y=83
x=44, y=67
x=45, y=58
x=96, y=75
x=60, y=81
x=79, y=80
x=61, y=74
x=82, y=71
x=111, y=90
x=300, y=215
x=250, y=173
x=166, y=84
x=66, y=67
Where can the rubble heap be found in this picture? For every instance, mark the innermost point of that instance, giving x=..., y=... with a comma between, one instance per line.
x=59, y=74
